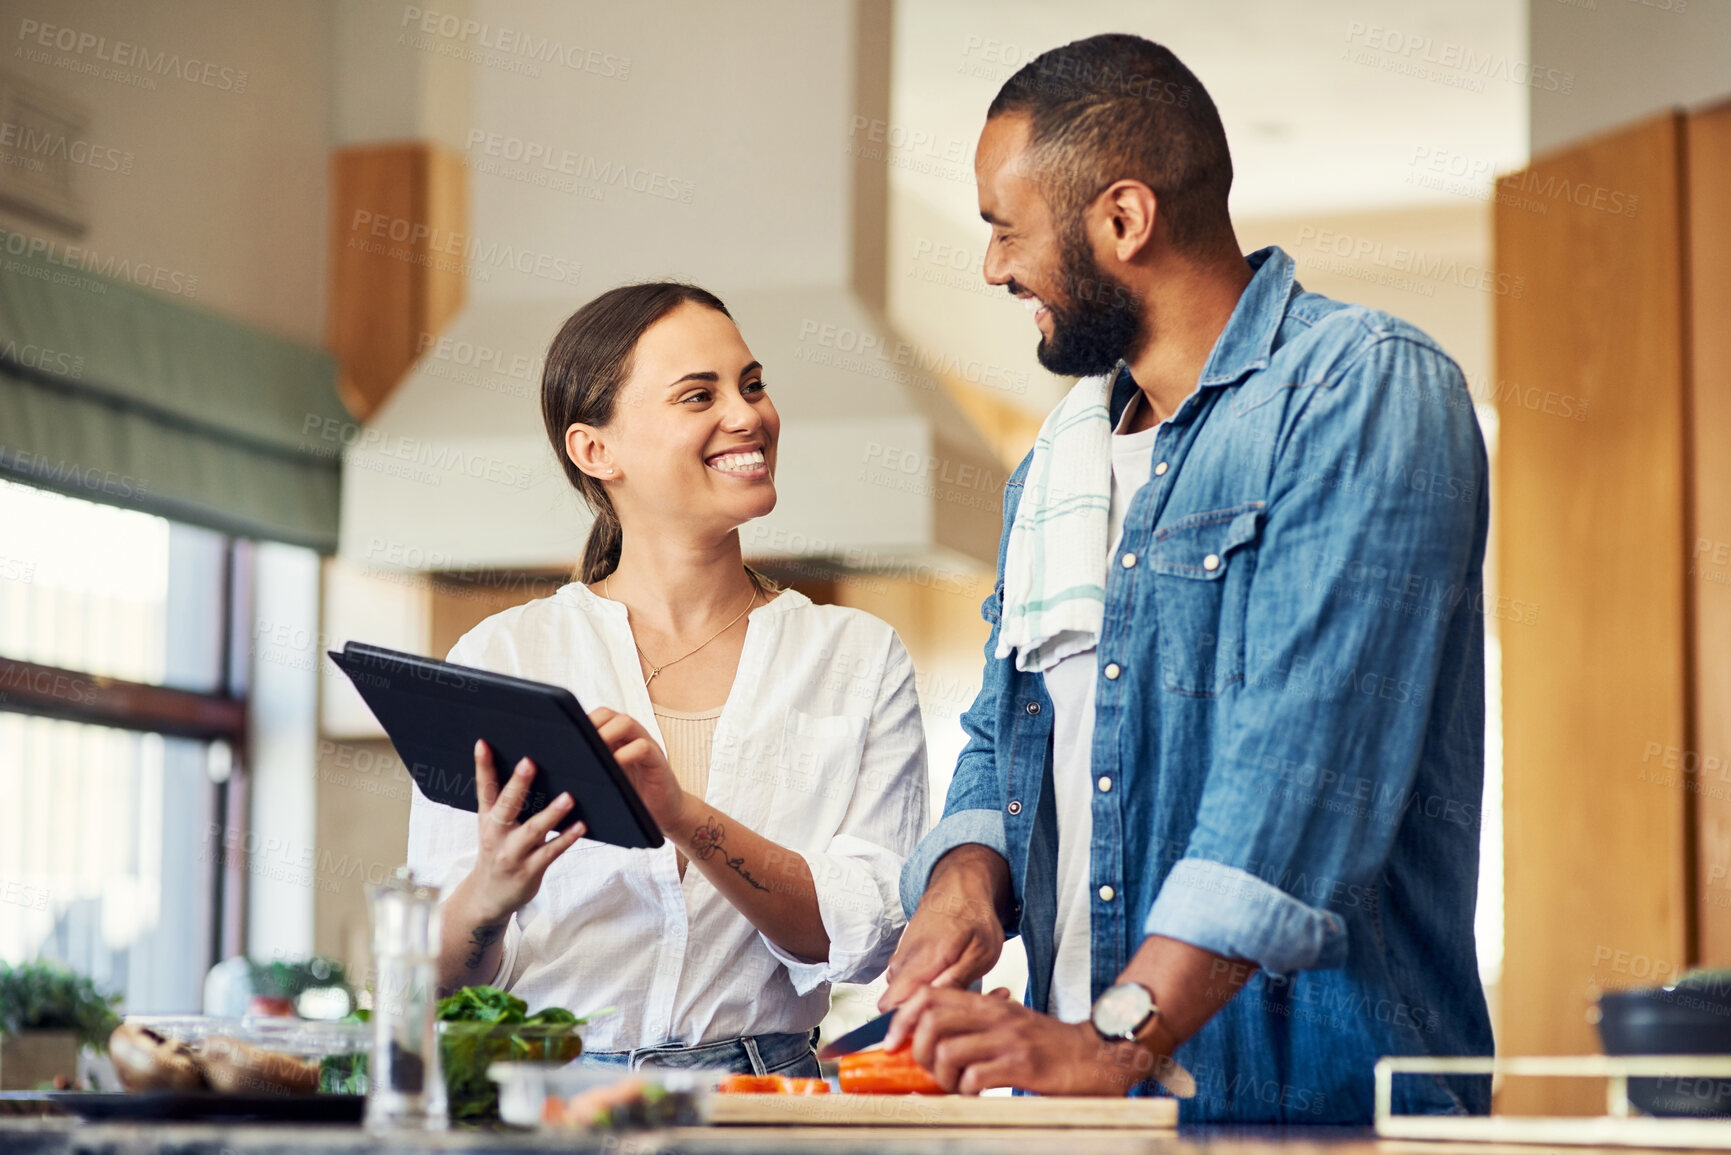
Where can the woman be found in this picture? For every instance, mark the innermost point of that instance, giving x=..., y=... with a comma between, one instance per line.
x=776, y=743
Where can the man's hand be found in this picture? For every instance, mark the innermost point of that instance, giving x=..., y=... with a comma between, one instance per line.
x=957, y=933
x=971, y=1043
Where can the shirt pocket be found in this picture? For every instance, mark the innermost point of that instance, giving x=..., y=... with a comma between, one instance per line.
x=1202, y=569
x=816, y=771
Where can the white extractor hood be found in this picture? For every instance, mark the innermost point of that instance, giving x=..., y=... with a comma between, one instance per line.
x=781, y=215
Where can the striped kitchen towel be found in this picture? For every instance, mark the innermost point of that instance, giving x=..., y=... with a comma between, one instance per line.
x=1055, y=567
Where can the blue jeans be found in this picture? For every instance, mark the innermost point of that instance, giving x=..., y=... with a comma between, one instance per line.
x=791, y=1055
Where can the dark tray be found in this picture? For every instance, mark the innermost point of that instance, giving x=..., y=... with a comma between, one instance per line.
x=190, y=1106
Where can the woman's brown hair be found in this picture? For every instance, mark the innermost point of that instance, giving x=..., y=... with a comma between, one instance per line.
x=587, y=363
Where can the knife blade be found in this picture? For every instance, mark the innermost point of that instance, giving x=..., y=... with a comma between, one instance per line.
x=859, y=1038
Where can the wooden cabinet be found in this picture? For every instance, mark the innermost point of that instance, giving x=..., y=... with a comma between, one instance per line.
x=1613, y=495
x=399, y=255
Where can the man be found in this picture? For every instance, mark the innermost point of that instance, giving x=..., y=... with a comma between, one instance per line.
x=1224, y=770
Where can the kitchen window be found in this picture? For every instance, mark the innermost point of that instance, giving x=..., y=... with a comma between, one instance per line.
x=121, y=714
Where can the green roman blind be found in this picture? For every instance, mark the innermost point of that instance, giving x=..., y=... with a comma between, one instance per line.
x=117, y=394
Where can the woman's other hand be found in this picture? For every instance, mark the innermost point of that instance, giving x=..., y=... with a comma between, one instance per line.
x=645, y=763
x=513, y=856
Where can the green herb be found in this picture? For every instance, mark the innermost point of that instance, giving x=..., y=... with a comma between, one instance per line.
x=485, y=1025
x=45, y=996
x=287, y=978
x=343, y=1074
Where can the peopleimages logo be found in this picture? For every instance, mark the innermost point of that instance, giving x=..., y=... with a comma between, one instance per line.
x=222, y=77
x=461, y=33
x=554, y=160
x=88, y=260
x=30, y=143
x=422, y=244
x=1447, y=61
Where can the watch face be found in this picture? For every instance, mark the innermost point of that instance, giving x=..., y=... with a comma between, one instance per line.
x=1122, y=1010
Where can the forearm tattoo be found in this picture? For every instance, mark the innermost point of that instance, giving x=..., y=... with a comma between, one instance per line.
x=706, y=842
x=480, y=939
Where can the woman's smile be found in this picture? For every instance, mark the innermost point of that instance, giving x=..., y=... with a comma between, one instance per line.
x=745, y=462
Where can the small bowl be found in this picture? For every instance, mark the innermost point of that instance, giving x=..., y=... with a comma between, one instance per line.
x=538, y=1094
x=467, y=1050
x=1690, y=1017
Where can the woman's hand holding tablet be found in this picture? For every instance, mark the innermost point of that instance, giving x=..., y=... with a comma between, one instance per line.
x=513, y=855
x=511, y=858
x=644, y=763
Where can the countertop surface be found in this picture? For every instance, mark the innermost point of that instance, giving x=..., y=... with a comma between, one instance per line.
x=53, y=1136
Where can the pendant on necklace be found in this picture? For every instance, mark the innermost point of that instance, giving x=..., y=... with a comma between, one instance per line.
x=653, y=670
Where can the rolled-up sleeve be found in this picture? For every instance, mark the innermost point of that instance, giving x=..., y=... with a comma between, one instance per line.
x=985, y=827
x=857, y=874
x=1369, y=556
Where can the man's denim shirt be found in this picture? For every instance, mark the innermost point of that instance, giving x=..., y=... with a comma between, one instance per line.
x=1289, y=715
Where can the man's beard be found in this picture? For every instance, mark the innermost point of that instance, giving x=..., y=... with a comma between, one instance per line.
x=1100, y=321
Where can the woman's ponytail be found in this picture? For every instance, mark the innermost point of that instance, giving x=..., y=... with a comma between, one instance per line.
x=601, y=551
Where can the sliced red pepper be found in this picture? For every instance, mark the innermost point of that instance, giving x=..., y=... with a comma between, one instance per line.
x=886, y=1073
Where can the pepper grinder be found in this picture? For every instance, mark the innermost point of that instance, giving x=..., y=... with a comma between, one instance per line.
x=406, y=1088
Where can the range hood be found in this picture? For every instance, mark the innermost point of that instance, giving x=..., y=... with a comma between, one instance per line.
x=781, y=213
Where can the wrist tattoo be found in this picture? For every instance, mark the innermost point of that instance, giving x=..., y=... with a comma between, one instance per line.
x=480, y=939
x=706, y=842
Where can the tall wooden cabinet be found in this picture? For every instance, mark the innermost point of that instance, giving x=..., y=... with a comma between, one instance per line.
x=1613, y=507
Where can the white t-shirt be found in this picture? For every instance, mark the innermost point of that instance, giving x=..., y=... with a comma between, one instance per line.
x=1070, y=684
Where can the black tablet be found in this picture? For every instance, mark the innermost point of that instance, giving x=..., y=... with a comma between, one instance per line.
x=434, y=711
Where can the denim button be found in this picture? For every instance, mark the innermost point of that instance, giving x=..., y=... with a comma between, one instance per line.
x=1211, y=562
x=1106, y=893
x=1033, y=707
x=1160, y=470
x=1105, y=784
x=1112, y=671
x=1128, y=560
x=1014, y=807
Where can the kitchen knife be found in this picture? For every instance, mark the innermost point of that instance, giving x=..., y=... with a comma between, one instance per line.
x=859, y=1038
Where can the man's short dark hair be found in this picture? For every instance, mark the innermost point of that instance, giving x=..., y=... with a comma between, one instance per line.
x=1118, y=107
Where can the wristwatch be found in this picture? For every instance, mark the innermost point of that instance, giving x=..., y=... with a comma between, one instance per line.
x=1123, y=1014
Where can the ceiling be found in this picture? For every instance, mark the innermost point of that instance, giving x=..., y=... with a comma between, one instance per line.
x=1321, y=117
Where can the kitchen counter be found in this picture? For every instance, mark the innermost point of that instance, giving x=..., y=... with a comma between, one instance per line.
x=22, y=1136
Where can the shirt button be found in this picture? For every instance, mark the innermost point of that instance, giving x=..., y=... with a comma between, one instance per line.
x=1128, y=560
x=1014, y=807
x=1112, y=671
x=1105, y=784
x=1033, y=707
x=1160, y=470
x=1211, y=562
x=1106, y=893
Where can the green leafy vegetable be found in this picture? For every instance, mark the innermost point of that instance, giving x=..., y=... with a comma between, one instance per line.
x=480, y=1026
x=45, y=996
x=343, y=1074
x=287, y=978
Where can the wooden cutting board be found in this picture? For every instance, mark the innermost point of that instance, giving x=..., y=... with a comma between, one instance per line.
x=941, y=1111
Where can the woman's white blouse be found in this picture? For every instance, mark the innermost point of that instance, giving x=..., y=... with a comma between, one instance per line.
x=819, y=748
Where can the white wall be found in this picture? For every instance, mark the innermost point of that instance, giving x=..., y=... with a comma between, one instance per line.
x=224, y=182
x=1627, y=59
x=738, y=102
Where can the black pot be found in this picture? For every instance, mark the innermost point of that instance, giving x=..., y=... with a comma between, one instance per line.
x=1691, y=1017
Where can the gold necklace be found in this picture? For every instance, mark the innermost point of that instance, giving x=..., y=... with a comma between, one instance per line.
x=607, y=587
